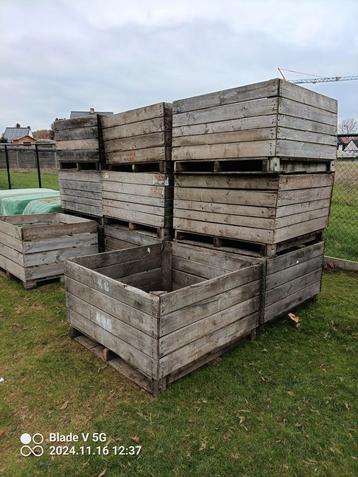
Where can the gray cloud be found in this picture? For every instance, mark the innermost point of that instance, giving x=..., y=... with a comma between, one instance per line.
x=58, y=56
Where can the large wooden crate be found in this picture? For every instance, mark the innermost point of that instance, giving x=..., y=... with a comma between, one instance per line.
x=77, y=140
x=34, y=247
x=291, y=279
x=138, y=197
x=259, y=209
x=273, y=126
x=81, y=191
x=140, y=135
x=163, y=309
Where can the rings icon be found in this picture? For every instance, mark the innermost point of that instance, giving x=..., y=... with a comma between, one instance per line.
x=37, y=450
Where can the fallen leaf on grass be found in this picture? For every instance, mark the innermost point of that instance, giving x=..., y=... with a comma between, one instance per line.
x=135, y=439
x=2, y=433
x=104, y=471
x=294, y=318
x=64, y=405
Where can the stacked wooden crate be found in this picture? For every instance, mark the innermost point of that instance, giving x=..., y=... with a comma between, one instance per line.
x=33, y=248
x=253, y=173
x=158, y=312
x=79, y=161
x=137, y=184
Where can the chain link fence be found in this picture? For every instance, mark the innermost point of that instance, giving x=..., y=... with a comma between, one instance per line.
x=342, y=233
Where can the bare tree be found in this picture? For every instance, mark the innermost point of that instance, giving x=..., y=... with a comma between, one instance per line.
x=348, y=126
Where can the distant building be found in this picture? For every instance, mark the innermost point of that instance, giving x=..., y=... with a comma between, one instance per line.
x=347, y=145
x=83, y=114
x=26, y=140
x=12, y=134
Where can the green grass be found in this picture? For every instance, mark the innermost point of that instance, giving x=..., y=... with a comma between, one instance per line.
x=28, y=179
x=282, y=405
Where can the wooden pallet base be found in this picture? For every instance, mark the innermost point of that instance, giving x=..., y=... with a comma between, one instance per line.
x=246, y=248
x=30, y=284
x=157, y=232
x=152, y=386
x=154, y=166
x=99, y=220
x=254, y=166
x=79, y=166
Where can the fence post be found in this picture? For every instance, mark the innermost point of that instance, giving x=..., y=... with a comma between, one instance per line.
x=7, y=166
x=38, y=165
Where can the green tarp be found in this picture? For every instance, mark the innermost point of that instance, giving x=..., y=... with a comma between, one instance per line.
x=50, y=205
x=14, y=202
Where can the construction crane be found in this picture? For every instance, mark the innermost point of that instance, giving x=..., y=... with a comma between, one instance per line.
x=316, y=78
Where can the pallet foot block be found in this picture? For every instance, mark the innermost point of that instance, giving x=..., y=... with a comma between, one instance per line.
x=273, y=126
x=33, y=247
x=163, y=309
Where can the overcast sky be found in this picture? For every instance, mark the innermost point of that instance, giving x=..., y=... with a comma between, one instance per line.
x=114, y=55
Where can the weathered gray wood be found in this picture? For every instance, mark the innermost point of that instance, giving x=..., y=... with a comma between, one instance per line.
x=234, y=95
x=137, y=142
x=218, y=208
x=137, y=129
x=226, y=137
x=135, y=115
x=306, y=96
x=145, y=311
x=227, y=231
x=202, y=346
x=46, y=240
x=290, y=302
x=225, y=151
x=231, y=125
x=300, y=110
x=134, y=357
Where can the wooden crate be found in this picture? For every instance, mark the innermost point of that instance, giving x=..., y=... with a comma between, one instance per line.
x=81, y=191
x=139, y=197
x=163, y=309
x=34, y=247
x=77, y=140
x=117, y=237
x=273, y=126
x=140, y=135
x=291, y=279
x=259, y=209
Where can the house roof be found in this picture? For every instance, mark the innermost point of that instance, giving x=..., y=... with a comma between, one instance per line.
x=354, y=141
x=82, y=114
x=15, y=133
x=24, y=137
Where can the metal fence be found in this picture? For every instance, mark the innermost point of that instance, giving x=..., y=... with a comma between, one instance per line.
x=342, y=232
x=27, y=166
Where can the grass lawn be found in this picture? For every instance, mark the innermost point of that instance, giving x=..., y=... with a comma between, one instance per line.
x=282, y=405
x=28, y=179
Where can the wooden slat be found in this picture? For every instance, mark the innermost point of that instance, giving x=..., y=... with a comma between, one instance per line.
x=259, y=107
x=202, y=346
x=234, y=95
x=135, y=115
x=225, y=151
x=183, y=317
x=112, y=322
x=128, y=353
x=290, y=302
x=307, y=96
x=200, y=291
x=231, y=125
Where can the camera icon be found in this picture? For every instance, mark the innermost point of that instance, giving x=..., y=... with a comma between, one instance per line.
x=36, y=449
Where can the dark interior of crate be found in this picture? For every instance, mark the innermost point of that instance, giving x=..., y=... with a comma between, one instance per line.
x=164, y=267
